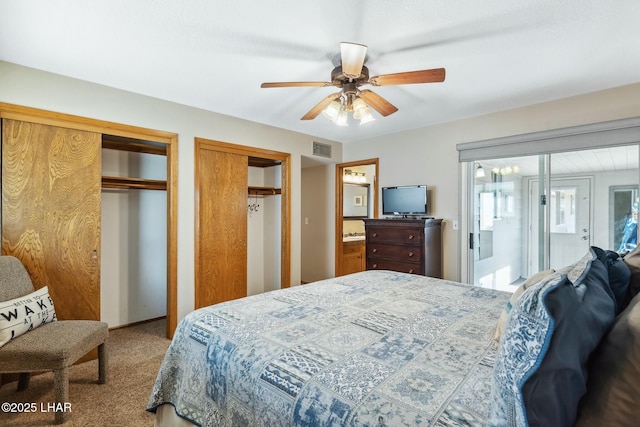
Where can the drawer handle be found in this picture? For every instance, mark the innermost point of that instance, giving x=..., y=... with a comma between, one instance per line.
x=374, y=235
x=410, y=254
x=375, y=265
x=411, y=271
x=374, y=250
x=410, y=236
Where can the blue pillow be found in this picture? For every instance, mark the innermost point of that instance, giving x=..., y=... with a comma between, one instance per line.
x=582, y=313
x=524, y=342
x=619, y=276
x=541, y=365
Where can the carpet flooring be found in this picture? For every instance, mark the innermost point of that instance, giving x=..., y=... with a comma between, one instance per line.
x=135, y=355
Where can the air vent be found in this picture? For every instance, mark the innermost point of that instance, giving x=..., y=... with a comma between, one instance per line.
x=323, y=150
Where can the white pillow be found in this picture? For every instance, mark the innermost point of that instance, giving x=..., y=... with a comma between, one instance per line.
x=23, y=314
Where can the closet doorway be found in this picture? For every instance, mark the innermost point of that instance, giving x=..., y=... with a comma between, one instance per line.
x=224, y=203
x=123, y=134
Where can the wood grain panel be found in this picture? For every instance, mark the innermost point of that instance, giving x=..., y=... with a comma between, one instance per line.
x=51, y=211
x=222, y=226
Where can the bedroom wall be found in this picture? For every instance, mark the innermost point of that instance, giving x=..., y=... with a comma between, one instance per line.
x=33, y=88
x=428, y=155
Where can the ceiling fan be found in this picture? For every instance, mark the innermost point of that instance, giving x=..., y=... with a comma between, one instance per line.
x=349, y=77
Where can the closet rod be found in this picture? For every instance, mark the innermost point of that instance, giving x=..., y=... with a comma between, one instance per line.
x=264, y=191
x=133, y=183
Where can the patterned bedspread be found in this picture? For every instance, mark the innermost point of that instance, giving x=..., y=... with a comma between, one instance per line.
x=370, y=349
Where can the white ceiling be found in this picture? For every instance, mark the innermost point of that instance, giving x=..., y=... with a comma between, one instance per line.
x=498, y=54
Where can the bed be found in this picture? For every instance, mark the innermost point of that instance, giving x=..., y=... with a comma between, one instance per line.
x=382, y=348
x=372, y=348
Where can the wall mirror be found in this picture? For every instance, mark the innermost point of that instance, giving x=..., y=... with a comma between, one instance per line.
x=355, y=202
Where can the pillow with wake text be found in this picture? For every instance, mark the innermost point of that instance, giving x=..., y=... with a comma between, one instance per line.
x=23, y=314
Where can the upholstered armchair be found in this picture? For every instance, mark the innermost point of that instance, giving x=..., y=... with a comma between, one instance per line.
x=33, y=340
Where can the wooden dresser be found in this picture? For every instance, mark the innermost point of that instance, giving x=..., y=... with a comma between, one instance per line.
x=406, y=245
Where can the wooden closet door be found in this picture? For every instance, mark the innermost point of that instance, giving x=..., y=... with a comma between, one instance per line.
x=51, y=184
x=221, y=269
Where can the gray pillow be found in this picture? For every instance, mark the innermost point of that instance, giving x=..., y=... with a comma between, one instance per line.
x=613, y=388
x=632, y=259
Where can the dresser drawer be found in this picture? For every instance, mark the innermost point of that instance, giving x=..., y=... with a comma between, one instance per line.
x=414, y=236
x=408, y=245
x=404, y=267
x=407, y=253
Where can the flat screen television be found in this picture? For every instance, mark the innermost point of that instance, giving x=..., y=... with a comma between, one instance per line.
x=407, y=200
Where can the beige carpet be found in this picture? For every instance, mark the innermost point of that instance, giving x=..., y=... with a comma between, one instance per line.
x=135, y=355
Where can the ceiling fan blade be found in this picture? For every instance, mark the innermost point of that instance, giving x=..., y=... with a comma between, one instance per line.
x=352, y=57
x=422, y=76
x=378, y=103
x=313, y=113
x=295, y=84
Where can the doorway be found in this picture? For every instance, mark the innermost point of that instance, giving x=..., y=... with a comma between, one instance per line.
x=128, y=136
x=222, y=211
x=569, y=222
x=368, y=198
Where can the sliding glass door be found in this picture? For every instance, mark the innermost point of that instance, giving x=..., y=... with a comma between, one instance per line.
x=537, y=212
x=499, y=232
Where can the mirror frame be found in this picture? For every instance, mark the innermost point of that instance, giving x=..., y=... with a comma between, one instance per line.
x=339, y=230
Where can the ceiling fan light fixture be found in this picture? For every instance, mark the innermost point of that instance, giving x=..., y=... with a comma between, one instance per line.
x=343, y=118
x=359, y=107
x=349, y=76
x=332, y=110
x=352, y=55
x=366, y=116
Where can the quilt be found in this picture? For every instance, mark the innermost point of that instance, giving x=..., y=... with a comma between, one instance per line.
x=376, y=348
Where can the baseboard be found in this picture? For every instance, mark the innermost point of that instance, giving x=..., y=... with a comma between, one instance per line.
x=141, y=322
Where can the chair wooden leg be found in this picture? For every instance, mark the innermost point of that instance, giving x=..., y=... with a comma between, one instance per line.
x=23, y=381
x=61, y=392
x=103, y=363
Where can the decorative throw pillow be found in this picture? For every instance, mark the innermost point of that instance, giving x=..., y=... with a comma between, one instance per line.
x=541, y=363
x=619, y=276
x=537, y=277
x=632, y=259
x=23, y=314
x=582, y=313
x=614, y=375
